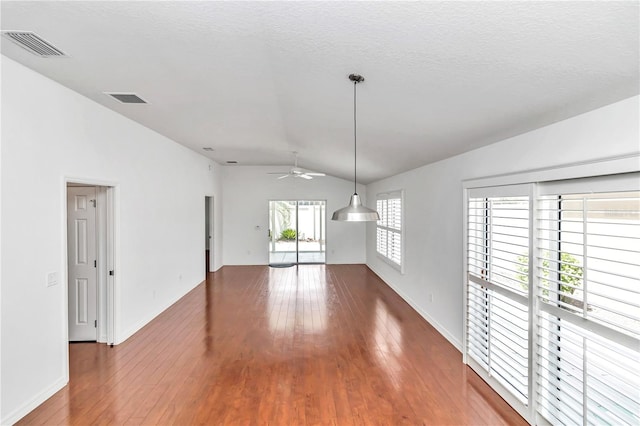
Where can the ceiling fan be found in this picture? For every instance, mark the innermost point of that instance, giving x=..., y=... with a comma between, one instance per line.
x=296, y=172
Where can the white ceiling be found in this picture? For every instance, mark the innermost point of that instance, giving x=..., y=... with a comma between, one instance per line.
x=257, y=80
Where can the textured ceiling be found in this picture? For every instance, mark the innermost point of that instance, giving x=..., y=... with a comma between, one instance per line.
x=257, y=80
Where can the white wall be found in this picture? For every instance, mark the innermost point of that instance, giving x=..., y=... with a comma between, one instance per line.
x=434, y=195
x=247, y=191
x=50, y=133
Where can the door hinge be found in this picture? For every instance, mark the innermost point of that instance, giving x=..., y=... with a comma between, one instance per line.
x=95, y=263
x=95, y=323
x=93, y=202
x=111, y=272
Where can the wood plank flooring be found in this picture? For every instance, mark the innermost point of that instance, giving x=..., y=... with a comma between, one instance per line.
x=253, y=345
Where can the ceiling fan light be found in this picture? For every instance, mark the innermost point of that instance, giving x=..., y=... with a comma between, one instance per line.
x=296, y=172
x=355, y=212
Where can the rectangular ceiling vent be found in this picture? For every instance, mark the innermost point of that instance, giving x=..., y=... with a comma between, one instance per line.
x=34, y=43
x=127, y=98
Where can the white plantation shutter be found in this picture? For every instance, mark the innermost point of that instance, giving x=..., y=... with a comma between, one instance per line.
x=553, y=298
x=389, y=228
x=497, y=292
x=583, y=377
x=588, y=268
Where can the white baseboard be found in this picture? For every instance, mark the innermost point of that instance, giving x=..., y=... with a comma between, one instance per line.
x=445, y=333
x=34, y=402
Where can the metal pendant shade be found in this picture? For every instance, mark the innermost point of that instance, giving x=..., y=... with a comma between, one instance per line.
x=355, y=211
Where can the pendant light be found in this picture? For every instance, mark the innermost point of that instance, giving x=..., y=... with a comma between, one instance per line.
x=355, y=211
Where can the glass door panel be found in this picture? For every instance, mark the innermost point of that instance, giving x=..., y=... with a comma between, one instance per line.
x=282, y=232
x=311, y=231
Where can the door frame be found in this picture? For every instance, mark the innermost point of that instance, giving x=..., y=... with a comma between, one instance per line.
x=297, y=201
x=107, y=235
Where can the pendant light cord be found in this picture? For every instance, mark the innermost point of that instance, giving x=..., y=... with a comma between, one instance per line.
x=355, y=141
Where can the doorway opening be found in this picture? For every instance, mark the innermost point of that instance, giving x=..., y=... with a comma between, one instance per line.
x=208, y=234
x=297, y=232
x=90, y=263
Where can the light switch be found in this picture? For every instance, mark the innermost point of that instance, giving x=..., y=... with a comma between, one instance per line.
x=52, y=279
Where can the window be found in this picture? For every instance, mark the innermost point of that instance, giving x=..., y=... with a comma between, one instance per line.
x=553, y=297
x=390, y=229
x=497, y=289
x=588, y=270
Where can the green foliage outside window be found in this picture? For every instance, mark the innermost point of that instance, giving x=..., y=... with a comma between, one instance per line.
x=570, y=275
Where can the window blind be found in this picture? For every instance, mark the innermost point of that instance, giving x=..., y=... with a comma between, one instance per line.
x=574, y=283
x=584, y=378
x=497, y=290
x=588, y=270
x=389, y=227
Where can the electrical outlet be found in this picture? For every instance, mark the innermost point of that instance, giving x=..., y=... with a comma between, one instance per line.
x=430, y=297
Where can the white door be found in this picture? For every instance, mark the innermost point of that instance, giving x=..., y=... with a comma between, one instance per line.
x=81, y=246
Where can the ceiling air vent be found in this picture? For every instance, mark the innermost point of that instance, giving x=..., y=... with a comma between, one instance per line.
x=127, y=98
x=33, y=43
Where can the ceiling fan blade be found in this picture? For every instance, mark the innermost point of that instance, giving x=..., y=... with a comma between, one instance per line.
x=296, y=172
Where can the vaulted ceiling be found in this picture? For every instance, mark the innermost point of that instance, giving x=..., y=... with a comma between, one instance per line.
x=258, y=80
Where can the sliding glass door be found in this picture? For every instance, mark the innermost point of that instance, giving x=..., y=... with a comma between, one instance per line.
x=297, y=232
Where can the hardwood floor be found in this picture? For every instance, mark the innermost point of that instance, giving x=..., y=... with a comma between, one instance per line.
x=326, y=345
